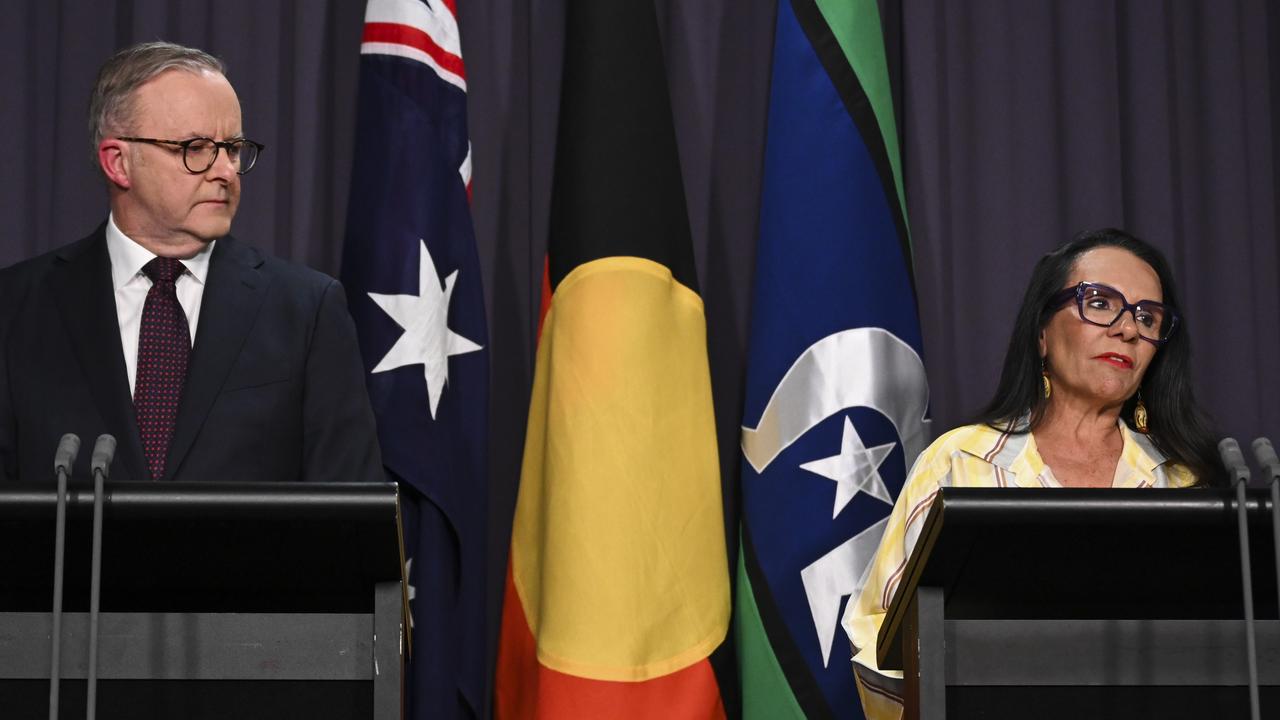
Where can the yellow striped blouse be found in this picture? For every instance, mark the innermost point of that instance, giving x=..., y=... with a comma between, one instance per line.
x=969, y=456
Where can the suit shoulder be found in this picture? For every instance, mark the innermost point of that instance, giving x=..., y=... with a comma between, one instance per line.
x=297, y=275
x=33, y=268
x=18, y=279
x=292, y=276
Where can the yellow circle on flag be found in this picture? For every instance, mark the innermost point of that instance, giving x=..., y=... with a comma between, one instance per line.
x=618, y=547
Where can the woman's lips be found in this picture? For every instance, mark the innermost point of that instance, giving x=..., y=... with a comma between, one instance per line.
x=1121, y=361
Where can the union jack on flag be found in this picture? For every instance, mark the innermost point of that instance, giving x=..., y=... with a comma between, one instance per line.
x=413, y=281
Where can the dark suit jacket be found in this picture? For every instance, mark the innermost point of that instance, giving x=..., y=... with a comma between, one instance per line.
x=275, y=387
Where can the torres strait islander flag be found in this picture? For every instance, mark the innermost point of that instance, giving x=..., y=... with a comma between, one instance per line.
x=412, y=274
x=836, y=397
x=617, y=588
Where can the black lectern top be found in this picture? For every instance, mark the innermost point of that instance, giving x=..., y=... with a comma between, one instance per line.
x=1095, y=554
x=205, y=547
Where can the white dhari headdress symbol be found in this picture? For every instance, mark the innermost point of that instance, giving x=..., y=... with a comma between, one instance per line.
x=862, y=367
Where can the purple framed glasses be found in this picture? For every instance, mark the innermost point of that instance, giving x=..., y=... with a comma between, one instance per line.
x=1103, y=305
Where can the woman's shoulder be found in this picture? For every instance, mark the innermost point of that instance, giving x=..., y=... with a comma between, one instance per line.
x=965, y=450
x=1180, y=476
x=976, y=439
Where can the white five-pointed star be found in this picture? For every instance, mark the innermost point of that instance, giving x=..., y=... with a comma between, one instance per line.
x=413, y=593
x=427, y=339
x=855, y=469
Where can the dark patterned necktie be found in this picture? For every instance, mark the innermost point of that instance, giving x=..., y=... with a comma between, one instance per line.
x=164, y=345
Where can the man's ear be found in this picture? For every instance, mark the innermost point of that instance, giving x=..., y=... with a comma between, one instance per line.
x=113, y=158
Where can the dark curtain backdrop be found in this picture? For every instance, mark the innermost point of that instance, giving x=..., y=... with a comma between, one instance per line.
x=1026, y=122
x=1022, y=123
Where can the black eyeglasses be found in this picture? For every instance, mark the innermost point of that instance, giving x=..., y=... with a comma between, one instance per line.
x=1103, y=305
x=199, y=154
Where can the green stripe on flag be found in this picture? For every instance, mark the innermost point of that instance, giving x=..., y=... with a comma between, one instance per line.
x=765, y=691
x=856, y=26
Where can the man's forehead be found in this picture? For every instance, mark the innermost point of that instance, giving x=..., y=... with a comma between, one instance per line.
x=184, y=101
x=180, y=79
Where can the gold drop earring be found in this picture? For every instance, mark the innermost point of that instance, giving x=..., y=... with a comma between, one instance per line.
x=1044, y=377
x=1140, y=415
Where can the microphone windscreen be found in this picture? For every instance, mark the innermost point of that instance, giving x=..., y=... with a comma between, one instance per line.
x=104, y=450
x=65, y=457
x=1265, y=454
x=1229, y=449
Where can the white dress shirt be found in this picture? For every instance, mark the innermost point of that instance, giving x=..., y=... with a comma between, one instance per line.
x=131, y=286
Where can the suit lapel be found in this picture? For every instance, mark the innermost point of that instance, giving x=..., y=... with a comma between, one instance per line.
x=233, y=293
x=81, y=282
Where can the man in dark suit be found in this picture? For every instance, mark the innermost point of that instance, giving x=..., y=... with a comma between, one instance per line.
x=206, y=359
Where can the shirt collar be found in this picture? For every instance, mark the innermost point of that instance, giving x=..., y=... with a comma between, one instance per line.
x=128, y=257
x=1012, y=449
x=1139, y=450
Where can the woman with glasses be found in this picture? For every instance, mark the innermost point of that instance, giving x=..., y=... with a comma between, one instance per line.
x=1095, y=392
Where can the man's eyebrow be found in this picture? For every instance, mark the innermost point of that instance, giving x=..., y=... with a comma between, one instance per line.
x=193, y=135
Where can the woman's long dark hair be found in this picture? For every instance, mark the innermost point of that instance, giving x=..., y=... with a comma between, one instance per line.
x=1176, y=423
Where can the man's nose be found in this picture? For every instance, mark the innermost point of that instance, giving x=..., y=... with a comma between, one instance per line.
x=223, y=167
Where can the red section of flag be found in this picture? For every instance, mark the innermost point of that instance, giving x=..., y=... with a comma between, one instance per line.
x=526, y=689
x=398, y=34
x=546, y=294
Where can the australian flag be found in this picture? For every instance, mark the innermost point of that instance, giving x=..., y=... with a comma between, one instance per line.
x=413, y=280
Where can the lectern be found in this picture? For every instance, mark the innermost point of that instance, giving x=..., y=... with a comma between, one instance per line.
x=217, y=600
x=1062, y=603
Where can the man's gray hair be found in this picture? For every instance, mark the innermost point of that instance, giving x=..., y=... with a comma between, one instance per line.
x=112, y=104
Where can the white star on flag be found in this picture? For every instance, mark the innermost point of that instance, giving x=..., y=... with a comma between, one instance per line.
x=427, y=339
x=413, y=593
x=854, y=470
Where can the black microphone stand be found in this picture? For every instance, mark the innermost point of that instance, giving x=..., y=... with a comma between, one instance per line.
x=1265, y=454
x=1229, y=449
x=103, y=452
x=63, y=460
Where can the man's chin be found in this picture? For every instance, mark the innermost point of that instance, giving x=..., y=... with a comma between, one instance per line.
x=207, y=232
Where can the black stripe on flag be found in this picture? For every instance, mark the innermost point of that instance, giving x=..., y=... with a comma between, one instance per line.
x=617, y=189
x=803, y=685
x=859, y=107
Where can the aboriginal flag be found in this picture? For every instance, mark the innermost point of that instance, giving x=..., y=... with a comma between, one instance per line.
x=617, y=589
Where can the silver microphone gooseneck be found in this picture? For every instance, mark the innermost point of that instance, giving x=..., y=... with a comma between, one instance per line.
x=104, y=450
x=63, y=460
x=1229, y=449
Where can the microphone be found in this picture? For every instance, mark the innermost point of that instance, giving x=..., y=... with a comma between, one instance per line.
x=104, y=449
x=1229, y=449
x=65, y=457
x=1265, y=454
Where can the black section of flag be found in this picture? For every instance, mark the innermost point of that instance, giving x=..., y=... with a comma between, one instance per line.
x=803, y=685
x=617, y=188
x=860, y=110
